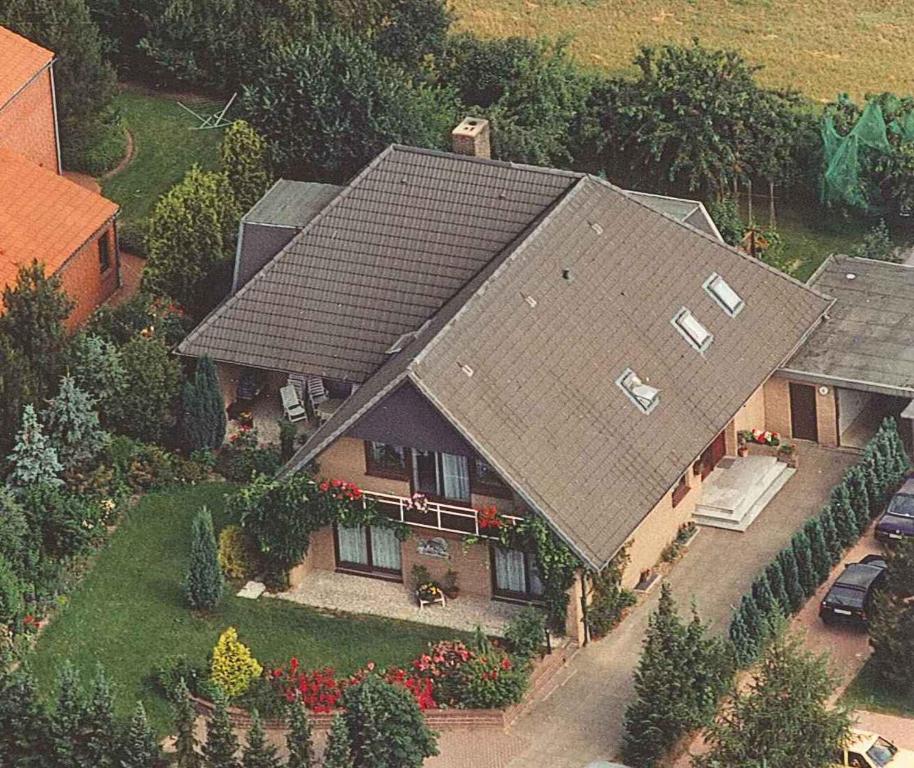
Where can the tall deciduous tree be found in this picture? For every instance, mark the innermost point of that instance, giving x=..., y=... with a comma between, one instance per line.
x=244, y=162
x=35, y=308
x=385, y=727
x=783, y=718
x=204, y=583
x=85, y=82
x=189, y=235
x=33, y=459
x=73, y=426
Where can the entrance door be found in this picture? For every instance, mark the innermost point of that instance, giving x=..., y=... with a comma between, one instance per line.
x=803, y=422
x=713, y=453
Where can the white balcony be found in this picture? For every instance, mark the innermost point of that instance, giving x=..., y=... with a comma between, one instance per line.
x=435, y=515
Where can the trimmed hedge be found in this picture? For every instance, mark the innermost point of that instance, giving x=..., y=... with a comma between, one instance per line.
x=799, y=569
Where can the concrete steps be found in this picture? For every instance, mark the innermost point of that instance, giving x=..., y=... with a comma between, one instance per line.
x=733, y=497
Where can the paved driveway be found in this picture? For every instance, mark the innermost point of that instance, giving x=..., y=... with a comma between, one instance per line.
x=582, y=720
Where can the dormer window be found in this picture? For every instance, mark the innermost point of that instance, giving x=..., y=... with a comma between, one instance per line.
x=692, y=330
x=724, y=295
x=643, y=395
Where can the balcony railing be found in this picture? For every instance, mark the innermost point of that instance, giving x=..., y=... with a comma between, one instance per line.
x=434, y=515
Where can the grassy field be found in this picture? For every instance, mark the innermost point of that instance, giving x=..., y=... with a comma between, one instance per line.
x=164, y=145
x=867, y=692
x=821, y=47
x=129, y=614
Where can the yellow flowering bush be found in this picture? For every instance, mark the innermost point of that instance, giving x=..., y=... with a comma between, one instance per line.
x=237, y=553
x=234, y=666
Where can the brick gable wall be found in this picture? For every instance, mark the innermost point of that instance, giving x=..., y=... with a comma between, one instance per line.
x=27, y=124
x=83, y=280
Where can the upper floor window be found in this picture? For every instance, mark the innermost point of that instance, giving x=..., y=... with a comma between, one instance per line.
x=445, y=475
x=104, y=253
x=385, y=460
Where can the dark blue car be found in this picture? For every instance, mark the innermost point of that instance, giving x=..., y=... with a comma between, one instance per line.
x=850, y=598
x=897, y=522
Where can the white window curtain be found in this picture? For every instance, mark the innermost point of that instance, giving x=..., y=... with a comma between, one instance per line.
x=455, y=477
x=536, y=585
x=385, y=549
x=509, y=570
x=353, y=546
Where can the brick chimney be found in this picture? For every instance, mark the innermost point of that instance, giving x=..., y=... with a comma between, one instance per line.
x=471, y=137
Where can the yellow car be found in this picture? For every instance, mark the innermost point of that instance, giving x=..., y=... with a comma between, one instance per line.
x=869, y=750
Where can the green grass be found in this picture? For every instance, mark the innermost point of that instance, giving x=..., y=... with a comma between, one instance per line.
x=869, y=693
x=821, y=47
x=164, y=145
x=129, y=613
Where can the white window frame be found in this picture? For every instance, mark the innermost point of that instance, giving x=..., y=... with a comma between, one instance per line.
x=709, y=287
x=644, y=407
x=687, y=324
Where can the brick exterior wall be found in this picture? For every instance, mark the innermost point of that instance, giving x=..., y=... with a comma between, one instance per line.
x=83, y=280
x=27, y=122
x=777, y=410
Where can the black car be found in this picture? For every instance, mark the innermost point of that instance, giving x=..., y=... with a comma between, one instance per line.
x=851, y=596
x=897, y=522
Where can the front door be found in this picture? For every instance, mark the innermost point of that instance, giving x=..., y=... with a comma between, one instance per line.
x=803, y=422
x=713, y=453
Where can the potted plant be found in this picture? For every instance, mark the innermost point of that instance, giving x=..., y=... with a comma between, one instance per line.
x=787, y=452
x=429, y=593
x=743, y=438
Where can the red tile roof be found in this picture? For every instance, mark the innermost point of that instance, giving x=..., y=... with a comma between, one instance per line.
x=43, y=216
x=20, y=60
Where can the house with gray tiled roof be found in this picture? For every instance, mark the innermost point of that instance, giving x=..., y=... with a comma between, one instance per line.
x=493, y=335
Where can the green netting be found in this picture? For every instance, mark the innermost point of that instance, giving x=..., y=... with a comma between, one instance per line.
x=841, y=180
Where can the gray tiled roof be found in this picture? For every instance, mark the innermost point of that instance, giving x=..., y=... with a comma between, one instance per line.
x=868, y=338
x=291, y=203
x=376, y=263
x=542, y=405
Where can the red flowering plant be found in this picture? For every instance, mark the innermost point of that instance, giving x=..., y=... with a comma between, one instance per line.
x=319, y=689
x=489, y=518
x=490, y=680
x=765, y=437
x=443, y=664
x=340, y=490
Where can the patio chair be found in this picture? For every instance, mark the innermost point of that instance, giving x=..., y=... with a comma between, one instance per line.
x=291, y=404
x=317, y=392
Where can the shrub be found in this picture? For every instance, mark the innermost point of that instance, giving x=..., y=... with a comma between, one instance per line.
x=11, y=605
x=243, y=156
x=490, y=680
x=443, y=664
x=261, y=697
x=526, y=634
x=237, y=553
x=725, y=214
x=876, y=244
x=204, y=583
x=288, y=432
x=233, y=667
x=168, y=675
x=66, y=523
x=240, y=463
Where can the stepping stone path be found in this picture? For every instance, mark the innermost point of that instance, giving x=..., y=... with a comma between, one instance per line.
x=252, y=590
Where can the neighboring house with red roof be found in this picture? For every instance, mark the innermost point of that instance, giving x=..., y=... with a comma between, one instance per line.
x=43, y=215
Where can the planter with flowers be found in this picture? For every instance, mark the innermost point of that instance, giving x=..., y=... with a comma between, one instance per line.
x=430, y=593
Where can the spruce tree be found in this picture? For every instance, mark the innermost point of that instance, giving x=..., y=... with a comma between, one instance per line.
x=898, y=461
x=764, y=597
x=73, y=426
x=139, y=748
x=859, y=497
x=100, y=728
x=204, y=583
x=186, y=753
x=754, y=621
x=874, y=489
x=203, y=421
x=776, y=581
x=24, y=722
x=806, y=572
x=258, y=753
x=745, y=646
x=790, y=574
x=844, y=516
x=386, y=728
x=337, y=753
x=832, y=537
x=221, y=745
x=34, y=460
x=299, y=741
x=818, y=547
x=68, y=718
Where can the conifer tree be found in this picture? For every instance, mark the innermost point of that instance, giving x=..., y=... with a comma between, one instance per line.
x=24, y=722
x=299, y=741
x=832, y=538
x=745, y=645
x=68, y=718
x=818, y=547
x=73, y=426
x=139, y=748
x=34, y=460
x=186, y=753
x=100, y=727
x=258, y=753
x=764, y=597
x=776, y=581
x=221, y=745
x=898, y=462
x=203, y=419
x=386, y=728
x=891, y=630
x=844, y=517
x=802, y=553
x=204, y=584
x=859, y=497
x=244, y=161
x=790, y=573
x=874, y=488
x=11, y=603
x=754, y=622
x=337, y=754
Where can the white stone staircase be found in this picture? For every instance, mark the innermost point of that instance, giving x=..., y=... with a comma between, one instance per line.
x=734, y=494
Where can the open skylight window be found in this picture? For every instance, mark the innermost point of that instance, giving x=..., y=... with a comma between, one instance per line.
x=643, y=395
x=724, y=295
x=693, y=331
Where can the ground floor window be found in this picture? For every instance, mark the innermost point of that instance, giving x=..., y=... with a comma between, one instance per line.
x=515, y=574
x=367, y=549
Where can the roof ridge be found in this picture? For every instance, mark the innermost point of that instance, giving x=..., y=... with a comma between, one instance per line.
x=486, y=161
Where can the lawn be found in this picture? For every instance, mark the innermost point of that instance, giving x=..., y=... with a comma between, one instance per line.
x=129, y=613
x=821, y=47
x=869, y=693
x=165, y=147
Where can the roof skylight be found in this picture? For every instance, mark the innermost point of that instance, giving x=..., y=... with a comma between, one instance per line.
x=693, y=331
x=724, y=295
x=643, y=395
